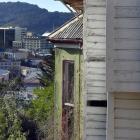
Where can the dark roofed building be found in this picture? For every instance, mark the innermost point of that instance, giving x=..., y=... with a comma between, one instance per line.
x=7, y=36
x=68, y=78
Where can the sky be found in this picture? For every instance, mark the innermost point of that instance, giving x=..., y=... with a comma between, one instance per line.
x=50, y=5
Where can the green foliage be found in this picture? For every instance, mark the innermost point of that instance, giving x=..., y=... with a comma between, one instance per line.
x=31, y=16
x=42, y=107
x=47, y=67
x=10, y=124
x=11, y=85
x=41, y=111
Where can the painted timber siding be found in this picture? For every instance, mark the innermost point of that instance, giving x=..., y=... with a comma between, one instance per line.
x=123, y=69
x=77, y=57
x=94, y=49
x=123, y=45
x=127, y=116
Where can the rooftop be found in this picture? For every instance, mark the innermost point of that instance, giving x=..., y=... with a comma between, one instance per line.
x=46, y=34
x=6, y=28
x=3, y=72
x=8, y=60
x=70, y=31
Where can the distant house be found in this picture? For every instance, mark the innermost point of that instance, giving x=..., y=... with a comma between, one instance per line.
x=4, y=75
x=37, y=43
x=68, y=79
x=14, y=55
x=31, y=80
x=13, y=66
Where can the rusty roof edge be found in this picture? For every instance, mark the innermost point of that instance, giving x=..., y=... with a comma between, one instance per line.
x=69, y=41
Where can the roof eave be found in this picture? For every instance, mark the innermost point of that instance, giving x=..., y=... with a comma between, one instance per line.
x=76, y=4
x=67, y=41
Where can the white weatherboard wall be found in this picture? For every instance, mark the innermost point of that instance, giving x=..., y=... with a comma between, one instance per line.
x=123, y=45
x=95, y=68
x=126, y=117
x=123, y=69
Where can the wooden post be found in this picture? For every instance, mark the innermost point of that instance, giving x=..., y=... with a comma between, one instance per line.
x=110, y=117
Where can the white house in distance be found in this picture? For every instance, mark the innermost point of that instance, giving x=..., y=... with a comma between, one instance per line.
x=111, y=47
x=13, y=66
x=14, y=55
x=4, y=75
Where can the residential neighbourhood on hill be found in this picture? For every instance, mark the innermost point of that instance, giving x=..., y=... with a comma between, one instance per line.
x=80, y=81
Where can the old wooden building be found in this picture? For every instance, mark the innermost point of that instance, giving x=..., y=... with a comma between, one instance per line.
x=94, y=76
x=68, y=79
x=111, y=48
x=123, y=65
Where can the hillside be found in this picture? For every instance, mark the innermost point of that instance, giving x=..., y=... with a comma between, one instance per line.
x=31, y=16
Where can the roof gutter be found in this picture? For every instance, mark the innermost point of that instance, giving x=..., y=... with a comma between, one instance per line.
x=68, y=41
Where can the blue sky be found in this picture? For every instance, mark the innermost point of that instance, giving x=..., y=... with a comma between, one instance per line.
x=51, y=5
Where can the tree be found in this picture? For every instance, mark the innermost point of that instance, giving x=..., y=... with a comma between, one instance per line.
x=42, y=107
x=41, y=110
x=10, y=122
x=47, y=67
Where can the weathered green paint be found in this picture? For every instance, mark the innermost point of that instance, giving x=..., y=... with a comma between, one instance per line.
x=77, y=57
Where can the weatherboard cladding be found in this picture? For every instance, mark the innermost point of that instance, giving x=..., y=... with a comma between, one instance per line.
x=94, y=49
x=71, y=30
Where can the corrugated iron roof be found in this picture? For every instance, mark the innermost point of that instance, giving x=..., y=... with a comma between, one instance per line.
x=72, y=30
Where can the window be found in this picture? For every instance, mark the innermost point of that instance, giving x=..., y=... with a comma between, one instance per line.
x=68, y=82
x=68, y=100
x=97, y=103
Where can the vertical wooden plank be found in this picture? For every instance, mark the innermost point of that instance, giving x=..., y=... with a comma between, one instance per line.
x=85, y=67
x=82, y=97
x=109, y=72
x=109, y=44
x=110, y=117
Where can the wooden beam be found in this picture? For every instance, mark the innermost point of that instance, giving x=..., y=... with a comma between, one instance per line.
x=76, y=4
